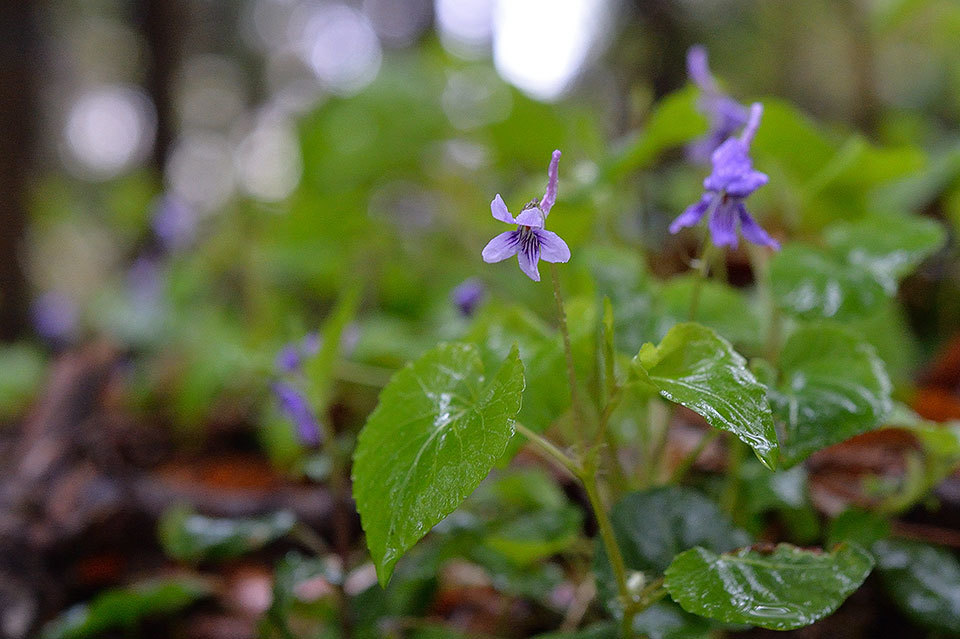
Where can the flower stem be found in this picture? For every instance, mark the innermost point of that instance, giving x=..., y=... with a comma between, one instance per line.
x=548, y=447
x=567, y=349
x=587, y=474
x=703, y=268
x=589, y=479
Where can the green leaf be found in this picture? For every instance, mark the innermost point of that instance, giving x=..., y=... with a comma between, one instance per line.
x=530, y=537
x=695, y=367
x=319, y=369
x=812, y=284
x=655, y=525
x=780, y=590
x=23, y=368
x=923, y=580
x=188, y=536
x=833, y=386
x=888, y=246
x=859, y=526
x=435, y=434
x=125, y=608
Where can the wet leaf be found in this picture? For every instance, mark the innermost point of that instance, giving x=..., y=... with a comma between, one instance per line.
x=888, y=246
x=813, y=284
x=923, y=580
x=780, y=590
x=833, y=386
x=697, y=368
x=189, y=536
x=437, y=431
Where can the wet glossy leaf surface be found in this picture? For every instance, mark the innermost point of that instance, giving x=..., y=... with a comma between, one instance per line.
x=888, y=246
x=813, y=284
x=923, y=580
x=780, y=590
x=193, y=537
x=438, y=429
x=696, y=368
x=833, y=386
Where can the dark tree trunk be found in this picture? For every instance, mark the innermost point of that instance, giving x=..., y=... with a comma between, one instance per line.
x=19, y=68
x=162, y=22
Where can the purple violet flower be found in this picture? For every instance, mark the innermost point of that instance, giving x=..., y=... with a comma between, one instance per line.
x=468, y=295
x=295, y=406
x=530, y=242
x=725, y=114
x=728, y=185
x=290, y=358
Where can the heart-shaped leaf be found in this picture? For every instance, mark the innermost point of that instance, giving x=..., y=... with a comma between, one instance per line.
x=888, y=246
x=697, y=368
x=833, y=387
x=435, y=434
x=780, y=590
x=812, y=284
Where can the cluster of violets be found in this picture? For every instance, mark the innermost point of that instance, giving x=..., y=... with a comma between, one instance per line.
x=731, y=180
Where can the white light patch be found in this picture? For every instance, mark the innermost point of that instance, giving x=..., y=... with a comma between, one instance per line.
x=109, y=129
x=540, y=45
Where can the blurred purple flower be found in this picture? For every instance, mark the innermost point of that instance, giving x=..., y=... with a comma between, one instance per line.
x=291, y=356
x=725, y=114
x=468, y=296
x=174, y=222
x=733, y=179
x=295, y=406
x=54, y=317
x=530, y=242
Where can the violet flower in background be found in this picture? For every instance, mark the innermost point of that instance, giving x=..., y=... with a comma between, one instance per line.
x=174, y=222
x=733, y=179
x=725, y=114
x=295, y=406
x=54, y=317
x=291, y=356
x=530, y=242
x=468, y=296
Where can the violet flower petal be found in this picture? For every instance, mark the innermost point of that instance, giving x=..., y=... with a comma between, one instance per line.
x=500, y=212
x=501, y=247
x=722, y=224
x=294, y=405
x=553, y=176
x=693, y=214
x=747, y=183
x=753, y=232
x=288, y=359
x=529, y=258
x=552, y=246
x=531, y=217
x=698, y=69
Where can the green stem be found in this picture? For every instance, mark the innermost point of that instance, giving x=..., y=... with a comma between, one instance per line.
x=687, y=462
x=567, y=349
x=703, y=268
x=548, y=447
x=650, y=595
x=589, y=479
